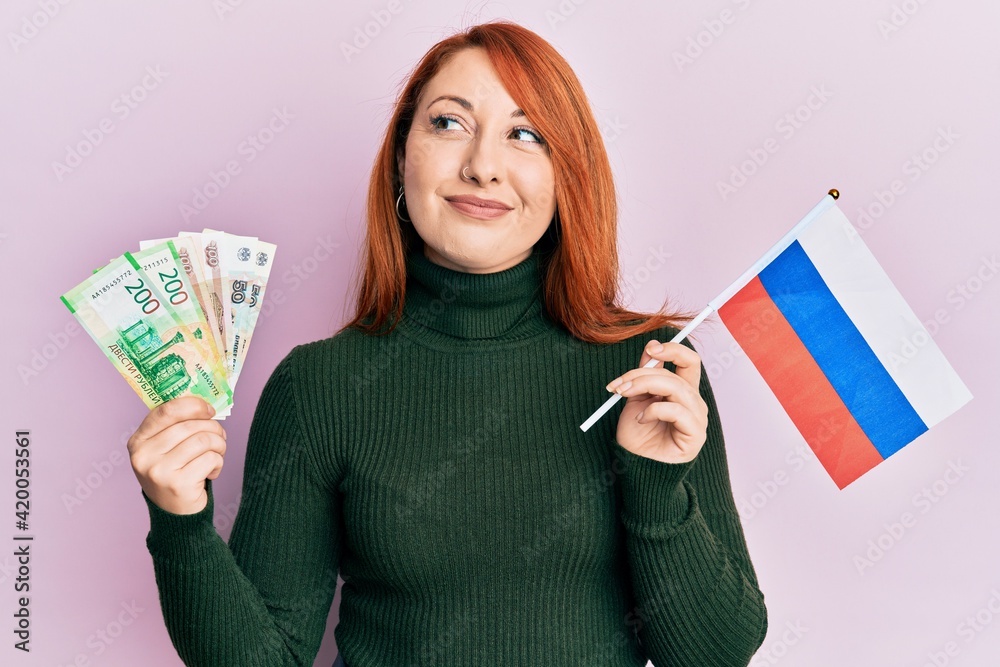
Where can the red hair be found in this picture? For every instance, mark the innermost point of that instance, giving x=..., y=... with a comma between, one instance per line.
x=580, y=253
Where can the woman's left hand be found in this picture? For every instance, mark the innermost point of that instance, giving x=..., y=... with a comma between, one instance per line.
x=665, y=418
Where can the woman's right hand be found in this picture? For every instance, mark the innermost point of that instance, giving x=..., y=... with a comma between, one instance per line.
x=175, y=449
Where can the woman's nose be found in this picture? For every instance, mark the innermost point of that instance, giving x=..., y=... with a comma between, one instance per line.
x=484, y=161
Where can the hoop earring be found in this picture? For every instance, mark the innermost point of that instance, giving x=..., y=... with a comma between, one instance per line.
x=463, y=174
x=397, y=205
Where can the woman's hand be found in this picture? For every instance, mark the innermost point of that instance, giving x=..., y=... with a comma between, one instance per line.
x=175, y=449
x=665, y=418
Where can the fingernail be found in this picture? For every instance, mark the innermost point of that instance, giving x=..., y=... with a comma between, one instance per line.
x=614, y=383
x=638, y=417
x=658, y=347
x=624, y=387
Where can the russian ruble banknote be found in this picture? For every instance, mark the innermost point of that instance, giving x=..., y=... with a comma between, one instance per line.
x=176, y=316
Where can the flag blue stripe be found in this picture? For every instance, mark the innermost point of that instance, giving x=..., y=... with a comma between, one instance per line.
x=827, y=332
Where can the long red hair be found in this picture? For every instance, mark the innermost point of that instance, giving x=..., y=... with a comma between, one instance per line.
x=579, y=250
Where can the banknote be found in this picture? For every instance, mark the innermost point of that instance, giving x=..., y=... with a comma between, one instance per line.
x=162, y=263
x=190, y=257
x=208, y=258
x=129, y=316
x=177, y=316
x=239, y=276
x=263, y=259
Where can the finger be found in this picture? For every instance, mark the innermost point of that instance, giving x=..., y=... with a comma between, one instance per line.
x=192, y=447
x=209, y=463
x=685, y=422
x=171, y=412
x=176, y=470
x=687, y=362
x=161, y=462
x=661, y=382
x=646, y=356
x=172, y=435
x=625, y=377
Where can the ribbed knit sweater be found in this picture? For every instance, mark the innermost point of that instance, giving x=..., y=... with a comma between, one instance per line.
x=442, y=471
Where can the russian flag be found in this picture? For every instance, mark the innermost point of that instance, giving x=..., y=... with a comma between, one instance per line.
x=844, y=354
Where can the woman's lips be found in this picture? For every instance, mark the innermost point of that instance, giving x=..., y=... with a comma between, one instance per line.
x=480, y=212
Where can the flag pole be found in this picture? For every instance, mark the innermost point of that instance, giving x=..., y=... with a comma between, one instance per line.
x=825, y=203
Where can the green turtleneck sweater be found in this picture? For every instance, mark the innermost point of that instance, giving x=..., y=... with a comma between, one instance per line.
x=442, y=470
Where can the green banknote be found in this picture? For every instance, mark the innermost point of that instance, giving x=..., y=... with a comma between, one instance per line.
x=162, y=263
x=189, y=254
x=129, y=315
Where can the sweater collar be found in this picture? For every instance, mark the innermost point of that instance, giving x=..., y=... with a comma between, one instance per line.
x=450, y=307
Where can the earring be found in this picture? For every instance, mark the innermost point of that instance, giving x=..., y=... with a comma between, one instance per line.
x=397, y=205
x=463, y=174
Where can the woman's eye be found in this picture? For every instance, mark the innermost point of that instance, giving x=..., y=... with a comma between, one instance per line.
x=526, y=131
x=437, y=120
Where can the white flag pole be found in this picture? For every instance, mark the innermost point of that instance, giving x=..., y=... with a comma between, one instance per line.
x=828, y=200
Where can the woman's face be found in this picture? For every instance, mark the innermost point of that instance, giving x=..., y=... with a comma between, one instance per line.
x=466, y=119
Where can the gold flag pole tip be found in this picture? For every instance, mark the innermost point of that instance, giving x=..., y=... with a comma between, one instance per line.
x=834, y=193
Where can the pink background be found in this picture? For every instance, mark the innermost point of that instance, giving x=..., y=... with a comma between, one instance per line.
x=674, y=131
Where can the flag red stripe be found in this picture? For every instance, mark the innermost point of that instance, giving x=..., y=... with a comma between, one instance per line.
x=799, y=384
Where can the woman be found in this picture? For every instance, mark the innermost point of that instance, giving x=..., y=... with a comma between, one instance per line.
x=431, y=448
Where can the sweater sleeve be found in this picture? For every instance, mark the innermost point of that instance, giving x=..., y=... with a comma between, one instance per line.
x=263, y=599
x=697, y=598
